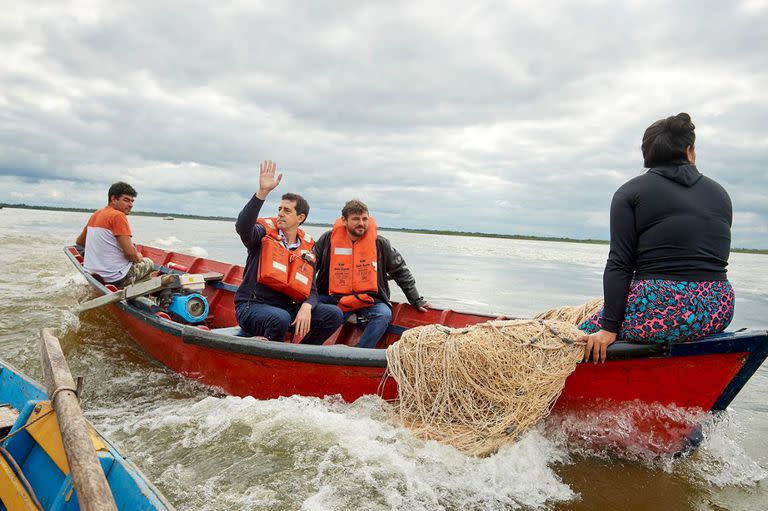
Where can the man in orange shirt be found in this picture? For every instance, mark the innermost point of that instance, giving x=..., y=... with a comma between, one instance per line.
x=109, y=251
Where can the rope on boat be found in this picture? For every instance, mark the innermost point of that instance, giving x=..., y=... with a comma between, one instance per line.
x=22, y=478
x=480, y=387
x=74, y=390
x=25, y=426
x=10, y=459
x=574, y=315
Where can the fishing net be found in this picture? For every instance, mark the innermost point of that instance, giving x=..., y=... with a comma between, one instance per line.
x=574, y=315
x=483, y=386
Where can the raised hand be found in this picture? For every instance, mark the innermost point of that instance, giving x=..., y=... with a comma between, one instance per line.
x=267, y=179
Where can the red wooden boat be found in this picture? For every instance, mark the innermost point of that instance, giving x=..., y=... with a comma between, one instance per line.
x=661, y=389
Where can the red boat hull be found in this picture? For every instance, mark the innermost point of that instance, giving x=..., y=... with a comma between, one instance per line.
x=249, y=375
x=686, y=379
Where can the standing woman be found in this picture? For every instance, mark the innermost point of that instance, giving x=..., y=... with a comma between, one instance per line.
x=665, y=279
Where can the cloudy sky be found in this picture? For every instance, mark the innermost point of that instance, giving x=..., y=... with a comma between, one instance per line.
x=509, y=117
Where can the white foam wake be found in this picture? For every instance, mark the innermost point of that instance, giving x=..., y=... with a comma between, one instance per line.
x=326, y=454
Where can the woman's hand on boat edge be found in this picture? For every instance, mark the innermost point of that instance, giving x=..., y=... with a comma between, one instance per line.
x=597, y=344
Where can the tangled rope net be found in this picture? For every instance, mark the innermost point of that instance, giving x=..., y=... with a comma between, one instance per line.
x=573, y=315
x=479, y=387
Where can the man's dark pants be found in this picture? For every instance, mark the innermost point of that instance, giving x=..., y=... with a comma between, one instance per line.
x=376, y=319
x=273, y=322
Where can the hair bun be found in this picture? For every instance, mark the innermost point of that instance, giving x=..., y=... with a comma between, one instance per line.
x=667, y=140
x=680, y=123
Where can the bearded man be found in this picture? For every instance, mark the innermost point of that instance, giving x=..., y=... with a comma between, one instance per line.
x=354, y=266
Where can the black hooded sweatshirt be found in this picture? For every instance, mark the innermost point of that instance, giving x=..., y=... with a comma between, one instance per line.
x=671, y=223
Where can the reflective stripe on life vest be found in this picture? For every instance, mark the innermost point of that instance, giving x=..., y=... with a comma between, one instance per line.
x=353, y=271
x=288, y=271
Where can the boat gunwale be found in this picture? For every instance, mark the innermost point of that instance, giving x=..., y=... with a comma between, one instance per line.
x=752, y=341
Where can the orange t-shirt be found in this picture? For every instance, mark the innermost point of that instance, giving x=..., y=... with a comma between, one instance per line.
x=103, y=255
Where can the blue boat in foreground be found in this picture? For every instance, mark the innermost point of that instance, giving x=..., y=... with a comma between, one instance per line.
x=34, y=469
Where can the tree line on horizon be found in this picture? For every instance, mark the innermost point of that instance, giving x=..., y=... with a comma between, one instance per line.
x=398, y=229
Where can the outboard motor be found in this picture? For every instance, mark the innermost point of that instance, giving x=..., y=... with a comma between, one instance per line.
x=182, y=302
x=191, y=308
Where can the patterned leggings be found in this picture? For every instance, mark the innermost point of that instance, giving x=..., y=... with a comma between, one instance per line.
x=672, y=311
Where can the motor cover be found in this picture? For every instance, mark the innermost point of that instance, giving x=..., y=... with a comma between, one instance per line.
x=191, y=308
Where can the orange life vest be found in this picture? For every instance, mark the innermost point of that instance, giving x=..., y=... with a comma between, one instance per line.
x=353, y=271
x=287, y=271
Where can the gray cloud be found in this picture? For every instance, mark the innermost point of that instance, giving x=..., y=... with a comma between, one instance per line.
x=494, y=116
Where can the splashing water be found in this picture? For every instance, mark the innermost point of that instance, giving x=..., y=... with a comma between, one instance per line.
x=166, y=242
x=213, y=452
x=326, y=454
x=197, y=252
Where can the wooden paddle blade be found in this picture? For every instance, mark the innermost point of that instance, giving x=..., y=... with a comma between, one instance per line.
x=133, y=291
x=102, y=300
x=151, y=285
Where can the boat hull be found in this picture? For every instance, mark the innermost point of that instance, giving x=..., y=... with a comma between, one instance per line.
x=244, y=374
x=688, y=378
x=35, y=445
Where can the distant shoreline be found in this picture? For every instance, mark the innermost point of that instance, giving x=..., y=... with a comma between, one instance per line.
x=393, y=229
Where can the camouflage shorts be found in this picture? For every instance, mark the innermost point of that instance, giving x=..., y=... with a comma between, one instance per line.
x=139, y=272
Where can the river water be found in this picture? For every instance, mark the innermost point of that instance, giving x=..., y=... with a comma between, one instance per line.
x=207, y=451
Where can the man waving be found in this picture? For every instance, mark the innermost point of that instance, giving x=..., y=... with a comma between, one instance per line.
x=278, y=288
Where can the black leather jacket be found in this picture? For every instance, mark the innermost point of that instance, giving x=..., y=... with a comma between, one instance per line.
x=391, y=266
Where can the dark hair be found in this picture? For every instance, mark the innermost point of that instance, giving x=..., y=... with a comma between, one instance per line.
x=667, y=139
x=302, y=206
x=118, y=189
x=354, y=206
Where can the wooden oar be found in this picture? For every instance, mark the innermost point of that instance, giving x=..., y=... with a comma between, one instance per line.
x=93, y=492
x=133, y=291
x=211, y=276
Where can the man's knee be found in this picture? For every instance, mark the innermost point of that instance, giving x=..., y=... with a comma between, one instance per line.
x=380, y=312
x=329, y=314
x=141, y=271
x=278, y=319
x=259, y=319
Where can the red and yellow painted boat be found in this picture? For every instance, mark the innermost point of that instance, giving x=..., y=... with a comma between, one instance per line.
x=664, y=387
